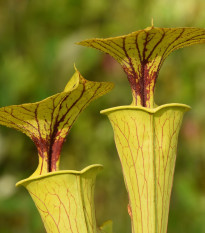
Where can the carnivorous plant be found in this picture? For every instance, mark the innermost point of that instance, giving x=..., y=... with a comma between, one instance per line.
x=64, y=198
x=145, y=134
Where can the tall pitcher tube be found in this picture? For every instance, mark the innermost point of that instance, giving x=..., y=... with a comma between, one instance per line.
x=146, y=141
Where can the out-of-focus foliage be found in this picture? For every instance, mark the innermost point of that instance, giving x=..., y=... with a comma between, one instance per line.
x=37, y=53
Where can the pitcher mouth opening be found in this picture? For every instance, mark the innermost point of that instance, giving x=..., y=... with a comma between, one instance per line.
x=73, y=172
x=149, y=110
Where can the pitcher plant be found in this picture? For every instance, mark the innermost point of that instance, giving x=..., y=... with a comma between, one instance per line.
x=145, y=134
x=64, y=199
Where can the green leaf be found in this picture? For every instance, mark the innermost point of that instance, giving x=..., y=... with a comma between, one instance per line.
x=106, y=227
x=142, y=53
x=48, y=122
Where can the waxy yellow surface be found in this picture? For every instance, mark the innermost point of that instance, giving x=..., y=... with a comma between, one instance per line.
x=142, y=53
x=146, y=141
x=48, y=122
x=65, y=199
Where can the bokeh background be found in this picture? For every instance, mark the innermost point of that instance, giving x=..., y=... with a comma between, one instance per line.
x=37, y=53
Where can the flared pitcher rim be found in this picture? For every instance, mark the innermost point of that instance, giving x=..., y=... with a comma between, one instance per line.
x=145, y=109
x=73, y=172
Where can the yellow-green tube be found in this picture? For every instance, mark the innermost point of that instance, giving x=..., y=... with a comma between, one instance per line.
x=65, y=200
x=146, y=140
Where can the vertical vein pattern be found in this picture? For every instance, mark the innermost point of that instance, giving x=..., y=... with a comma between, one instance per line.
x=48, y=122
x=65, y=201
x=142, y=53
x=147, y=143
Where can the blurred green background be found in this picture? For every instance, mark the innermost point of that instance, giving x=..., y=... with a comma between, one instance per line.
x=37, y=53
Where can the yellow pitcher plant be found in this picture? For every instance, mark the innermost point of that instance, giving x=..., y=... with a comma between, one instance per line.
x=64, y=199
x=145, y=134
